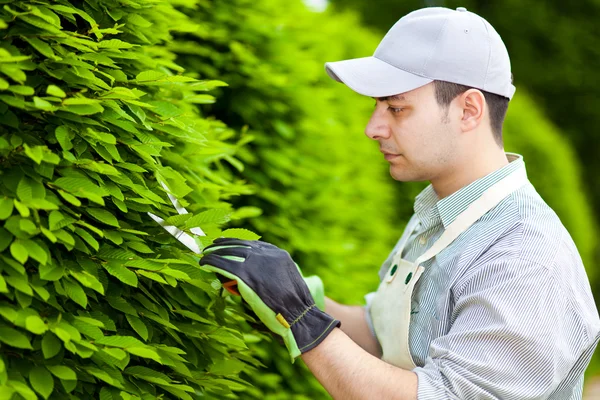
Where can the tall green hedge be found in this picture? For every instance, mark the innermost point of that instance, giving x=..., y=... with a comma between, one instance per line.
x=97, y=301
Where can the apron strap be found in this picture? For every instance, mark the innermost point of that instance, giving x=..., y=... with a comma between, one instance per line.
x=477, y=209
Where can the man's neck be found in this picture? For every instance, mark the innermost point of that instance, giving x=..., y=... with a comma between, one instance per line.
x=468, y=171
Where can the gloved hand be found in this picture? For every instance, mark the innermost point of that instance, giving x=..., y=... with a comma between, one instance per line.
x=271, y=283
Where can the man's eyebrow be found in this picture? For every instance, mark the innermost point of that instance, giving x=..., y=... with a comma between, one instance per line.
x=395, y=97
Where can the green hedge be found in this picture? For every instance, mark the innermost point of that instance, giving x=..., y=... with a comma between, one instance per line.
x=96, y=300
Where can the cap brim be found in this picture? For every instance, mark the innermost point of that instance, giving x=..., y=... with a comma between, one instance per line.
x=372, y=77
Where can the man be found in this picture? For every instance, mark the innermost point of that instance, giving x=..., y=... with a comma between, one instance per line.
x=484, y=296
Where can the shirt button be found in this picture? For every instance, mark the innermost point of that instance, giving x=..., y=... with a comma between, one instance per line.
x=422, y=240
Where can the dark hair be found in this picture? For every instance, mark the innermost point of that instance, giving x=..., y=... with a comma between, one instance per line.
x=445, y=92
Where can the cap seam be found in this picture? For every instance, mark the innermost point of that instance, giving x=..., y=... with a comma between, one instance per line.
x=436, y=43
x=487, y=67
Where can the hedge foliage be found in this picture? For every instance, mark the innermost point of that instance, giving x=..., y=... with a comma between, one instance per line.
x=96, y=301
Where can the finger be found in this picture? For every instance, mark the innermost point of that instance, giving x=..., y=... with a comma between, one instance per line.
x=222, y=263
x=232, y=251
x=231, y=241
x=223, y=242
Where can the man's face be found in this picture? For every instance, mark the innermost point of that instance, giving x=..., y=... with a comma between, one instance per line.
x=419, y=138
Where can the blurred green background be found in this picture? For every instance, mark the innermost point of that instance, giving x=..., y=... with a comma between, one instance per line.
x=324, y=190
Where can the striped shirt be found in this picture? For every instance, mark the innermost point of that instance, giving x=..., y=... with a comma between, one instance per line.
x=504, y=312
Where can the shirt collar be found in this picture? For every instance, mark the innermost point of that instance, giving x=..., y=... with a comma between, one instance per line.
x=430, y=210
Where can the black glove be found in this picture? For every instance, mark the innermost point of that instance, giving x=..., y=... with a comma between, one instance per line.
x=270, y=282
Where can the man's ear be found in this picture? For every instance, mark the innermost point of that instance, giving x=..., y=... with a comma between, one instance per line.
x=473, y=106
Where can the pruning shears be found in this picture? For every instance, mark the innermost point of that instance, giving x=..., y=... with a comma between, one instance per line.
x=186, y=239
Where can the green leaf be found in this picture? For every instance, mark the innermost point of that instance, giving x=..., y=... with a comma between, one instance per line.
x=149, y=76
x=152, y=275
x=22, y=389
x=119, y=303
x=50, y=345
x=62, y=372
x=75, y=292
x=120, y=341
x=120, y=272
x=105, y=376
x=214, y=216
x=84, y=109
x=35, y=251
x=19, y=251
x=6, y=208
x=227, y=367
x=14, y=338
x=88, y=280
x=228, y=337
x=145, y=352
x=41, y=380
x=138, y=326
x=63, y=137
x=35, y=324
x=42, y=47
x=103, y=216
x=22, y=90
x=54, y=90
x=36, y=153
x=239, y=233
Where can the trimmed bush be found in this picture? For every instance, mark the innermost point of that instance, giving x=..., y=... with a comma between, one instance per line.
x=96, y=300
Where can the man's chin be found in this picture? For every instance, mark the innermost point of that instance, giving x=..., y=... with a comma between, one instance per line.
x=403, y=175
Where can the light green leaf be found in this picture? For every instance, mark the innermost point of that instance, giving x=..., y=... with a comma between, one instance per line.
x=36, y=153
x=41, y=380
x=35, y=251
x=19, y=251
x=54, y=90
x=145, y=352
x=14, y=338
x=6, y=208
x=35, y=324
x=149, y=76
x=62, y=372
x=22, y=389
x=214, y=216
x=238, y=233
x=152, y=275
x=120, y=341
x=88, y=280
x=22, y=90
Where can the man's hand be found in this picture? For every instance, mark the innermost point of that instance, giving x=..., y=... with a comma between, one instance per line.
x=271, y=283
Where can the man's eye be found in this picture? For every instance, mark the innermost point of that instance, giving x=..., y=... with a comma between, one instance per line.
x=395, y=110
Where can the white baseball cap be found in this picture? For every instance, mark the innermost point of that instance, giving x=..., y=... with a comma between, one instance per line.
x=433, y=43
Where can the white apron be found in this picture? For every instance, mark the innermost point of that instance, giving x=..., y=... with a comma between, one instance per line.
x=391, y=305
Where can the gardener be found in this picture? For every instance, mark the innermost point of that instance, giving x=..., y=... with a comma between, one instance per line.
x=484, y=296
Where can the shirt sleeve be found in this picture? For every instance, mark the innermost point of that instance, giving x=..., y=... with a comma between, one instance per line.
x=515, y=334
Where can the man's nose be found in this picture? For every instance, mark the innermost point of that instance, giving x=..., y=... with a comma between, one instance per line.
x=377, y=126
